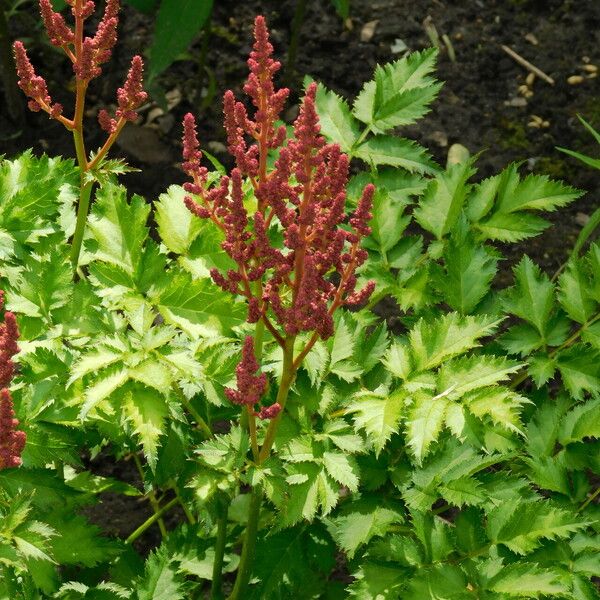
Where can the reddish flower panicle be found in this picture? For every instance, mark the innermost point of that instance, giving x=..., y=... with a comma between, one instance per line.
x=297, y=285
x=269, y=412
x=33, y=85
x=12, y=441
x=314, y=273
x=250, y=387
x=267, y=101
x=132, y=95
x=59, y=32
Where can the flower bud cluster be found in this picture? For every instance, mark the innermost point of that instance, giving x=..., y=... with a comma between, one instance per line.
x=12, y=441
x=87, y=53
x=296, y=286
x=250, y=386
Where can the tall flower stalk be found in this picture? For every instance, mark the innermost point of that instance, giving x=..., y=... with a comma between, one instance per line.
x=87, y=54
x=291, y=289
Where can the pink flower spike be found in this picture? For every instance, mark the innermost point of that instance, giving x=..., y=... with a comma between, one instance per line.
x=106, y=34
x=58, y=31
x=86, y=68
x=33, y=85
x=12, y=442
x=107, y=123
x=191, y=148
x=251, y=387
x=132, y=95
x=269, y=412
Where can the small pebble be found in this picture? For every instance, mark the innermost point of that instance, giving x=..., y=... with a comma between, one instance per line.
x=523, y=89
x=530, y=79
x=592, y=75
x=516, y=102
x=585, y=59
x=590, y=68
x=368, y=31
x=582, y=219
x=531, y=39
x=575, y=80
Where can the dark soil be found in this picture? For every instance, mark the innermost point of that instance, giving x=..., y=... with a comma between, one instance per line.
x=479, y=106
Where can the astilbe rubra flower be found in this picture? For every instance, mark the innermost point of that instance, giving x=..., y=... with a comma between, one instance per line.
x=87, y=53
x=12, y=441
x=295, y=288
x=250, y=386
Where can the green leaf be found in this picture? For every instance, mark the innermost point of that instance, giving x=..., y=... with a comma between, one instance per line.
x=161, y=580
x=443, y=581
x=337, y=123
x=439, y=209
x=177, y=226
x=118, y=228
x=400, y=94
x=527, y=580
x=196, y=306
x=43, y=286
x=36, y=195
x=467, y=273
x=48, y=491
x=147, y=410
x=396, y=152
x=294, y=559
x=579, y=367
x=342, y=7
x=424, y=423
x=375, y=581
x=466, y=374
x=532, y=297
x=79, y=542
x=581, y=422
x=342, y=468
x=574, y=289
x=463, y=491
x=434, y=341
x=388, y=222
x=367, y=520
x=521, y=526
x=499, y=205
x=379, y=415
x=177, y=24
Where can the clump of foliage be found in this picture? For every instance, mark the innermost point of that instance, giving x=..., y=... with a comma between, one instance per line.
x=316, y=450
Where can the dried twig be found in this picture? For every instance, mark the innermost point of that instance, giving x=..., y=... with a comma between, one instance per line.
x=527, y=64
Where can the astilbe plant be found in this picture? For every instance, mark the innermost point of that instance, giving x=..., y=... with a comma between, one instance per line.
x=215, y=342
x=12, y=441
x=87, y=55
x=294, y=287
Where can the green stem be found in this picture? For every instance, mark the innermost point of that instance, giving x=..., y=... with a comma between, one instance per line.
x=202, y=425
x=82, y=212
x=217, y=574
x=149, y=522
x=188, y=513
x=589, y=500
x=571, y=340
x=287, y=379
x=361, y=138
x=247, y=558
x=151, y=497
